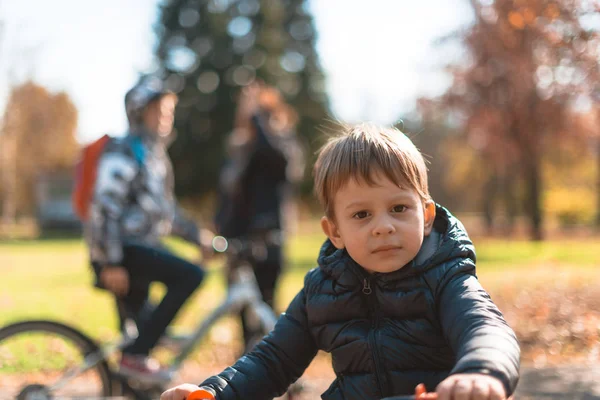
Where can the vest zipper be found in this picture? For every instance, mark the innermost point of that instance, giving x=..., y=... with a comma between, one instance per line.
x=379, y=376
x=367, y=287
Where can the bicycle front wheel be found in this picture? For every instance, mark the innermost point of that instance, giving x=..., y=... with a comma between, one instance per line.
x=40, y=359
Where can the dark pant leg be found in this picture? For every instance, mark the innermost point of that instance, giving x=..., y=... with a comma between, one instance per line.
x=179, y=276
x=134, y=305
x=267, y=272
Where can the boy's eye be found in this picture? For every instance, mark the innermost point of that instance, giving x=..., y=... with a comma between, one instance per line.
x=399, y=208
x=361, y=215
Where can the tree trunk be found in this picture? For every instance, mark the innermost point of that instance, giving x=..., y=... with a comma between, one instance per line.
x=9, y=180
x=598, y=183
x=510, y=201
x=489, y=196
x=533, y=191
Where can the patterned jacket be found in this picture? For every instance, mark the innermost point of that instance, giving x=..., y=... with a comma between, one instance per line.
x=134, y=200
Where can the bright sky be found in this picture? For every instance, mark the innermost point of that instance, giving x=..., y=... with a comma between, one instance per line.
x=378, y=55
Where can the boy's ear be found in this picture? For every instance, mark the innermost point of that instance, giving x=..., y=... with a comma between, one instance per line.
x=332, y=232
x=429, y=216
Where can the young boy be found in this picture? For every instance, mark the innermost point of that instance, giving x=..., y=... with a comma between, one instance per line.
x=133, y=208
x=395, y=299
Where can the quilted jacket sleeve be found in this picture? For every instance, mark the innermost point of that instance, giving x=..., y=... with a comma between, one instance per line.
x=274, y=364
x=475, y=328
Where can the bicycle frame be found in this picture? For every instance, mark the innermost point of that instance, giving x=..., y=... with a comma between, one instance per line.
x=242, y=293
x=90, y=361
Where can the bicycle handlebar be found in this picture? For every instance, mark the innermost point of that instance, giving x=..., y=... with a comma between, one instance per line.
x=220, y=244
x=420, y=394
x=241, y=248
x=248, y=244
x=200, y=395
x=237, y=247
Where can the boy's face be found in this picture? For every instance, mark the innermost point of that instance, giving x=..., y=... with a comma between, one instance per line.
x=382, y=226
x=159, y=115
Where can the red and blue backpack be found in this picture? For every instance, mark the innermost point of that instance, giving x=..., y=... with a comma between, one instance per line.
x=86, y=172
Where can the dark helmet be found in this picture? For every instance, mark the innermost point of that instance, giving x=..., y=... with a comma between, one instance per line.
x=143, y=93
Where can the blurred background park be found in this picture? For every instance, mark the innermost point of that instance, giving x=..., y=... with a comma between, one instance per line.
x=502, y=96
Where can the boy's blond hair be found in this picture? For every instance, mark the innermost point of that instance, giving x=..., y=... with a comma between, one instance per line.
x=358, y=152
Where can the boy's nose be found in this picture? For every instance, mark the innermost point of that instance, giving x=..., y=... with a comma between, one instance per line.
x=383, y=227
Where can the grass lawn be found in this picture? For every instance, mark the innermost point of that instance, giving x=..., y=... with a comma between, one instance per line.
x=50, y=279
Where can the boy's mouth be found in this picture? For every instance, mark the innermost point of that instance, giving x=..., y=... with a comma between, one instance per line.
x=382, y=249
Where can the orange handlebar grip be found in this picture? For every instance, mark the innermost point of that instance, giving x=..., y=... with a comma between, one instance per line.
x=419, y=390
x=421, y=393
x=200, y=394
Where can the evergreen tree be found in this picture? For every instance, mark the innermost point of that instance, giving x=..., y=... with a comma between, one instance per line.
x=209, y=49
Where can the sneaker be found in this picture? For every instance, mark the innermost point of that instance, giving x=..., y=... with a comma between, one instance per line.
x=142, y=367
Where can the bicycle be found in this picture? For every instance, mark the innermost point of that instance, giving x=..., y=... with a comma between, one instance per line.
x=94, y=370
x=420, y=394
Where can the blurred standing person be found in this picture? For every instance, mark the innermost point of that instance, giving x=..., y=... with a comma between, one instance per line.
x=132, y=208
x=265, y=162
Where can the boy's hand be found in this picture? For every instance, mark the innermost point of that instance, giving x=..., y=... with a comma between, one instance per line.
x=180, y=392
x=471, y=387
x=206, y=247
x=116, y=279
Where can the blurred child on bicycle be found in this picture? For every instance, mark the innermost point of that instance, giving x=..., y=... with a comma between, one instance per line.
x=395, y=298
x=132, y=209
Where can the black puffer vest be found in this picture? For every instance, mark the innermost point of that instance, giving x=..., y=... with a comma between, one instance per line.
x=386, y=332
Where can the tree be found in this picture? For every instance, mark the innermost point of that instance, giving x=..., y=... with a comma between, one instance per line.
x=529, y=61
x=208, y=49
x=456, y=176
x=17, y=61
x=39, y=133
